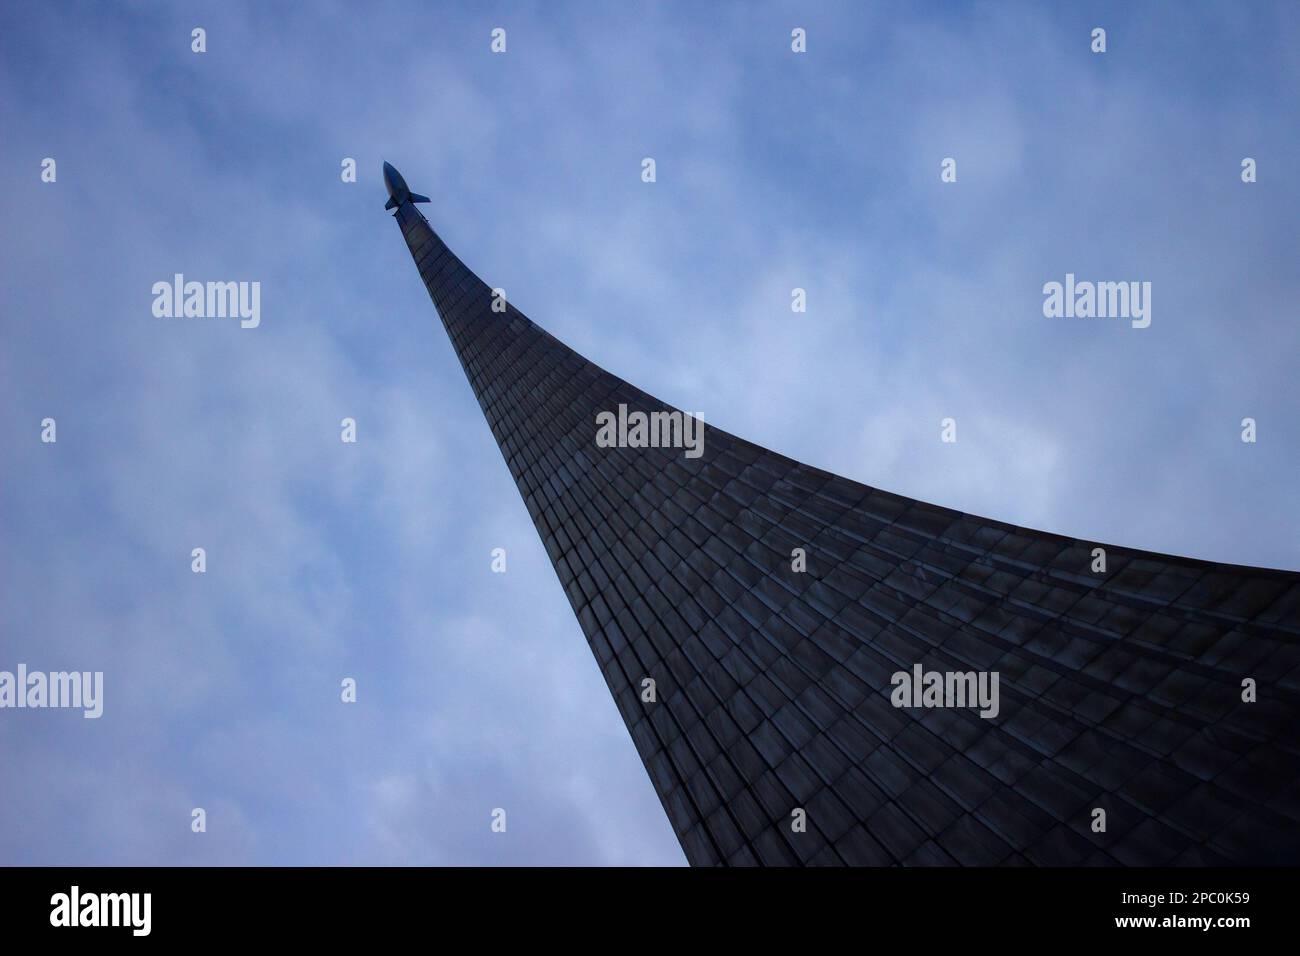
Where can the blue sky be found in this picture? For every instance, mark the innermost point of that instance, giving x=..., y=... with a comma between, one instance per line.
x=775, y=170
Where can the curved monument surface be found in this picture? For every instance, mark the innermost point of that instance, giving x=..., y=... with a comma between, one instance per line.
x=928, y=688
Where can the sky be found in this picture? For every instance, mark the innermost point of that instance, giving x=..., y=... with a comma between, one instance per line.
x=775, y=170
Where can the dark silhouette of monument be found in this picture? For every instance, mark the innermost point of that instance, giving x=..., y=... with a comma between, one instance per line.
x=773, y=736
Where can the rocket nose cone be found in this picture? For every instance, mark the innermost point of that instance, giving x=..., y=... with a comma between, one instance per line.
x=392, y=178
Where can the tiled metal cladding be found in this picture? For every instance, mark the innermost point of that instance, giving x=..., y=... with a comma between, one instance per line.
x=1120, y=691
